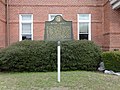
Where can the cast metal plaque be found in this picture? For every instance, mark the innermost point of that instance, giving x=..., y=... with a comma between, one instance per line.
x=58, y=29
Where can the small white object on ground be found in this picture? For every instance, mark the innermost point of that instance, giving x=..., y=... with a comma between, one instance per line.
x=111, y=72
x=102, y=67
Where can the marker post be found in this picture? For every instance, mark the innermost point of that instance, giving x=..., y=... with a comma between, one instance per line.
x=58, y=60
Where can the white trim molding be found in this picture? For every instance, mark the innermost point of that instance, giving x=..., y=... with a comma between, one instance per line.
x=52, y=15
x=25, y=21
x=84, y=21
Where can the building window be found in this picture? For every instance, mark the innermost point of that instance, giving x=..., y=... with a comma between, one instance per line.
x=52, y=16
x=84, y=26
x=26, y=26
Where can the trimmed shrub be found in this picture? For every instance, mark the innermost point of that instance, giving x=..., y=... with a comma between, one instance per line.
x=42, y=56
x=80, y=55
x=111, y=60
x=29, y=56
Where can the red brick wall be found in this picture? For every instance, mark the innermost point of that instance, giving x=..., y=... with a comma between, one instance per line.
x=115, y=29
x=111, y=28
x=2, y=23
x=106, y=25
x=68, y=8
x=105, y=21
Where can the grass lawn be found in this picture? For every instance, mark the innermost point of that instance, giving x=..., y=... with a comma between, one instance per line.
x=73, y=80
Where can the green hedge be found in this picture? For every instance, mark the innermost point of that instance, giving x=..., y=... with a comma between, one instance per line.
x=29, y=56
x=111, y=60
x=80, y=55
x=42, y=56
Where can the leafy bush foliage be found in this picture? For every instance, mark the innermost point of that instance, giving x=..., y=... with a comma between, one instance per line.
x=42, y=56
x=80, y=55
x=29, y=56
x=111, y=60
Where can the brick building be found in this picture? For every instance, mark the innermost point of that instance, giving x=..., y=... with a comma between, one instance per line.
x=96, y=20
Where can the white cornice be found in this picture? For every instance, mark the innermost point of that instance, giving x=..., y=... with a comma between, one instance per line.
x=115, y=4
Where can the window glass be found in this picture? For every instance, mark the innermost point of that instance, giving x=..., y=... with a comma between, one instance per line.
x=26, y=37
x=52, y=16
x=83, y=36
x=26, y=27
x=83, y=16
x=26, y=17
x=83, y=27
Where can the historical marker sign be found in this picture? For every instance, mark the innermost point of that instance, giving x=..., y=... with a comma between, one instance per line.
x=58, y=29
